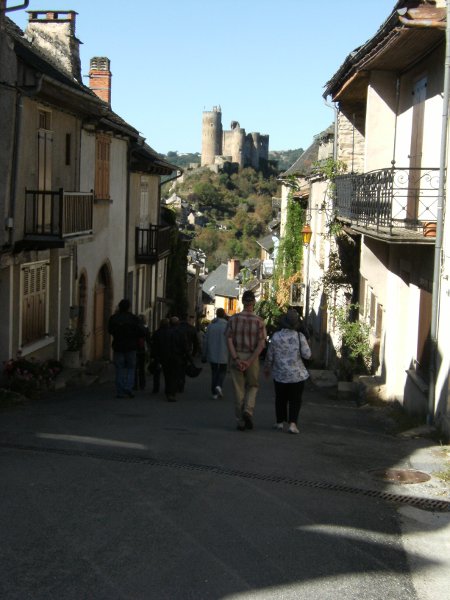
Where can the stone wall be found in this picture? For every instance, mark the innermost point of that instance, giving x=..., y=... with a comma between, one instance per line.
x=351, y=140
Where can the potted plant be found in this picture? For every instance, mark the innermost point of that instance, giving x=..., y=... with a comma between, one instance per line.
x=74, y=338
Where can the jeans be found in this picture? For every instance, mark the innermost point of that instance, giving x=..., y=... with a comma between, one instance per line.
x=125, y=363
x=218, y=372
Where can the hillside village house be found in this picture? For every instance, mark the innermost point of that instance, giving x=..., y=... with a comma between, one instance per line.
x=389, y=103
x=79, y=194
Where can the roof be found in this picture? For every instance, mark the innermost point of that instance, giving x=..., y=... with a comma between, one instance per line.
x=218, y=284
x=304, y=164
x=412, y=29
x=58, y=86
x=266, y=243
x=145, y=159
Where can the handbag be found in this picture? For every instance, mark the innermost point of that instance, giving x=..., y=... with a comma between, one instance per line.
x=191, y=370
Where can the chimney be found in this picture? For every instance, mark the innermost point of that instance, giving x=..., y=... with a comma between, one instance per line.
x=100, y=78
x=233, y=268
x=53, y=32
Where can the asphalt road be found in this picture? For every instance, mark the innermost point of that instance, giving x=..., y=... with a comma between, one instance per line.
x=141, y=499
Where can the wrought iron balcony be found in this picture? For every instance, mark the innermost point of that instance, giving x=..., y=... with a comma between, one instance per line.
x=53, y=216
x=392, y=202
x=152, y=243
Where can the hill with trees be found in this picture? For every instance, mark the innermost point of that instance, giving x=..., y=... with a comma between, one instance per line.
x=283, y=158
x=235, y=209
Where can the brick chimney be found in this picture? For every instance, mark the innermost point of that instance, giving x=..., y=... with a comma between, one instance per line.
x=100, y=78
x=53, y=32
x=233, y=268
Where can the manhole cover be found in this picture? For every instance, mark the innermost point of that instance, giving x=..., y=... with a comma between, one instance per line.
x=402, y=475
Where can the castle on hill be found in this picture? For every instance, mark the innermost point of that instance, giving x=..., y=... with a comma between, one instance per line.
x=235, y=145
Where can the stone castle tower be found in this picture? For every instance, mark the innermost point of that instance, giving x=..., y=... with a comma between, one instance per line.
x=234, y=145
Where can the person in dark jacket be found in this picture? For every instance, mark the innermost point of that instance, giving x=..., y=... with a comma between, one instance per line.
x=125, y=329
x=143, y=345
x=185, y=325
x=171, y=350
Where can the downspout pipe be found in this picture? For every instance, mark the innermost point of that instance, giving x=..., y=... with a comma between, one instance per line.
x=334, y=107
x=439, y=230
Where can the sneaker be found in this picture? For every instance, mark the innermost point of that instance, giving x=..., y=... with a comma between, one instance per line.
x=215, y=396
x=129, y=394
x=293, y=428
x=278, y=426
x=248, y=420
x=219, y=391
x=240, y=426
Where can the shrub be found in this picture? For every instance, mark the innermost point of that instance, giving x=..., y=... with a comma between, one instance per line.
x=30, y=377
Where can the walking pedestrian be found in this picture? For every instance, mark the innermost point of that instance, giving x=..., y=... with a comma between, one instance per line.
x=125, y=329
x=246, y=337
x=287, y=348
x=187, y=327
x=154, y=367
x=171, y=351
x=143, y=344
x=215, y=351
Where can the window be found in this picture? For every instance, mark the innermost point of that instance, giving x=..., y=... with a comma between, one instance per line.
x=34, y=302
x=102, y=166
x=45, y=150
x=45, y=120
x=143, y=208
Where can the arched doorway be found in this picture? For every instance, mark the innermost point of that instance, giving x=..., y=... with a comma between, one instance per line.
x=102, y=312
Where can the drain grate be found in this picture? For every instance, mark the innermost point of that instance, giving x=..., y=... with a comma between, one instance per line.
x=423, y=503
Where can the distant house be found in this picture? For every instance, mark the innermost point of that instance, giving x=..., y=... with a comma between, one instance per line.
x=221, y=289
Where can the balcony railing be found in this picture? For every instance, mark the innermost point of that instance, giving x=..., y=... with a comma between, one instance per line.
x=152, y=243
x=388, y=198
x=52, y=216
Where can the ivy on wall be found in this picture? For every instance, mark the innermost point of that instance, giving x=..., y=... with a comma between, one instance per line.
x=290, y=250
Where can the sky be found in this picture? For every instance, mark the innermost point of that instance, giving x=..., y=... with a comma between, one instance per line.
x=265, y=62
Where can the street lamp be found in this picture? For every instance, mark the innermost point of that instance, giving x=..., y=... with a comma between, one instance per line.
x=306, y=237
x=306, y=234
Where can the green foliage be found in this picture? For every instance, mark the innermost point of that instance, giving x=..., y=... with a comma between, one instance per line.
x=329, y=168
x=290, y=249
x=183, y=160
x=270, y=311
x=238, y=206
x=356, y=352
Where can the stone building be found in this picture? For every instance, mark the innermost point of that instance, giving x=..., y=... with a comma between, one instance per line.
x=234, y=145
